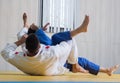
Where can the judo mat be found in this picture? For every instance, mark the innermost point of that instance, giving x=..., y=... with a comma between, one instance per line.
x=59, y=82
x=19, y=77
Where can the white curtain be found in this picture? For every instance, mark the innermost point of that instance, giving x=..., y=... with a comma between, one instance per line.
x=11, y=22
x=59, y=13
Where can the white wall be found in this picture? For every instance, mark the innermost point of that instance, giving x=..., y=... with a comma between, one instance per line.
x=11, y=22
x=101, y=44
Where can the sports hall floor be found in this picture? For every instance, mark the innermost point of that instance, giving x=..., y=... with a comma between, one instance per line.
x=19, y=77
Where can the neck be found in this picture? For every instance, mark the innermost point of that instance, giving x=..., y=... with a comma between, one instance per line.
x=32, y=54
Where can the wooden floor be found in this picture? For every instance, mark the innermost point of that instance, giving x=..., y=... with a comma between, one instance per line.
x=75, y=77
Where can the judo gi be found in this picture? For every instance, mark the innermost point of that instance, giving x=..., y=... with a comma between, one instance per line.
x=50, y=60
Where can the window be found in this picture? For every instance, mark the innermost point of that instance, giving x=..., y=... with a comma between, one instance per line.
x=60, y=15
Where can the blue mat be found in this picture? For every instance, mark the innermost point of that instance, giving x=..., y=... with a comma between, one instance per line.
x=59, y=82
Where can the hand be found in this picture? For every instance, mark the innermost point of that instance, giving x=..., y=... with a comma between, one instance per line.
x=45, y=26
x=22, y=40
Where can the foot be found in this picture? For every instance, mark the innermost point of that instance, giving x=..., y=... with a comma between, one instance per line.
x=77, y=68
x=83, y=27
x=25, y=20
x=111, y=70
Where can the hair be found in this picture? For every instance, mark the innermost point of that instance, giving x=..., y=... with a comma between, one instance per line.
x=31, y=31
x=32, y=43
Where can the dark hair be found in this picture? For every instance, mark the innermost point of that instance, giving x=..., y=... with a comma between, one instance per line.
x=31, y=31
x=32, y=43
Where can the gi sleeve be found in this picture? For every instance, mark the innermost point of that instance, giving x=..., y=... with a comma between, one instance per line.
x=9, y=51
x=22, y=32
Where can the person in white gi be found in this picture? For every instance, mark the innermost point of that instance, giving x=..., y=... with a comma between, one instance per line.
x=46, y=60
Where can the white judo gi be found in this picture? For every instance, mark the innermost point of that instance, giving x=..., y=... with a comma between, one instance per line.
x=49, y=60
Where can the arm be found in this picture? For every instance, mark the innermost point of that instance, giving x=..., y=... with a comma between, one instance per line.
x=22, y=32
x=19, y=36
x=45, y=26
x=22, y=40
x=8, y=51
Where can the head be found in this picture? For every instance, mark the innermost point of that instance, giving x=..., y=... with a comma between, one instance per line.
x=32, y=28
x=32, y=44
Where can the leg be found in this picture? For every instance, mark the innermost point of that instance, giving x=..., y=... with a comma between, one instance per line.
x=25, y=20
x=84, y=66
x=61, y=36
x=77, y=68
x=110, y=70
x=87, y=65
x=92, y=67
x=81, y=28
x=42, y=37
x=73, y=60
x=64, y=36
x=71, y=55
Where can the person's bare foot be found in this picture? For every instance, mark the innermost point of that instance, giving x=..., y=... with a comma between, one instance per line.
x=25, y=20
x=111, y=70
x=83, y=27
x=77, y=68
